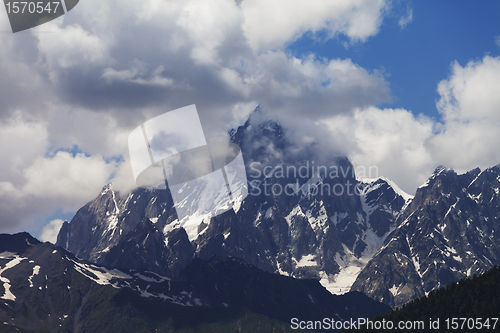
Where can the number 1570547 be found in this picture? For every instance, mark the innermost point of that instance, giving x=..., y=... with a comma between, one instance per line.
x=32, y=7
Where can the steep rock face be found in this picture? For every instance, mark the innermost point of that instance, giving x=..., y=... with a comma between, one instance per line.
x=449, y=231
x=303, y=217
x=123, y=231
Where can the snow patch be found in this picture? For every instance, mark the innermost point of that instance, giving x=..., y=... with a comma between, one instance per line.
x=170, y=227
x=281, y=271
x=396, y=189
x=392, y=184
x=36, y=270
x=296, y=211
x=150, y=279
x=7, y=255
x=100, y=275
x=320, y=221
x=307, y=261
x=340, y=283
x=394, y=290
x=425, y=184
x=112, y=222
x=15, y=260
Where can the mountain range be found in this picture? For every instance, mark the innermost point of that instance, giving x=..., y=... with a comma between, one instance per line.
x=47, y=289
x=311, y=233
x=375, y=239
x=310, y=227
x=446, y=233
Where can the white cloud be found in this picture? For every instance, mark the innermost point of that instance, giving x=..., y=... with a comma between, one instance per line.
x=111, y=65
x=497, y=40
x=406, y=148
x=123, y=178
x=92, y=132
x=21, y=87
x=393, y=141
x=470, y=103
x=272, y=24
x=50, y=231
x=471, y=93
x=168, y=54
x=407, y=19
x=67, y=178
x=207, y=23
x=71, y=46
x=133, y=76
x=21, y=141
x=35, y=181
x=159, y=55
x=290, y=85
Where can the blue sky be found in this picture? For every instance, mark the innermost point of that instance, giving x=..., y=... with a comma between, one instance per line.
x=415, y=58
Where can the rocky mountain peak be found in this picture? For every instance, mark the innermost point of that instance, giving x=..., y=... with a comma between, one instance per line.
x=445, y=234
x=304, y=217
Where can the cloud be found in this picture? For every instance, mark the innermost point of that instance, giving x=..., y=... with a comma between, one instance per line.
x=69, y=98
x=133, y=76
x=208, y=24
x=123, y=178
x=407, y=19
x=391, y=141
x=66, y=177
x=471, y=92
x=469, y=102
x=72, y=46
x=36, y=180
x=21, y=87
x=317, y=87
x=50, y=231
x=406, y=148
x=161, y=55
x=21, y=141
x=269, y=25
x=148, y=58
x=497, y=40
x=92, y=132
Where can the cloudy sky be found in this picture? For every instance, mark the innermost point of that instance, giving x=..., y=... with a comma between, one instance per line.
x=401, y=85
